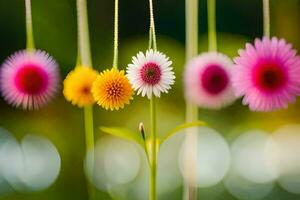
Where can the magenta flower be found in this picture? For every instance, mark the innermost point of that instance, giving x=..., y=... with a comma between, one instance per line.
x=207, y=81
x=267, y=74
x=29, y=79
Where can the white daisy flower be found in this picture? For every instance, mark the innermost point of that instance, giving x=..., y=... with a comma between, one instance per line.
x=151, y=73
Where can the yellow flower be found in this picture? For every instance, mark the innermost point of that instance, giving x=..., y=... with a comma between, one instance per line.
x=78, y=84
x=112, y=89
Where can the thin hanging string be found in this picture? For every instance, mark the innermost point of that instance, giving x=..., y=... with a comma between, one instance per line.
x=211, y=17
x=116, y=35
x=83, y=34
x=29, y=30
x=152, y=34
x=266, y=14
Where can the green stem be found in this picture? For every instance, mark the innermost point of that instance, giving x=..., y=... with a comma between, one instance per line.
x=153, y=133
x=211, y=21
x=190, y=191
x=153, y=139
x=89, y=127
x=266, y=14
x=83, y=34
x=84, y=56
x=29, y=29
x=152, y=26
x=89, y=140
x=147, y=152
x=191, y=28
x=142, y=130
x=116, y=34
x=150, y=39
x=78, y=59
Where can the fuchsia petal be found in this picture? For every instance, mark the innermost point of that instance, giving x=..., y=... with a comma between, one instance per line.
x=207, y=81
x=269, y=78
x=29, y=79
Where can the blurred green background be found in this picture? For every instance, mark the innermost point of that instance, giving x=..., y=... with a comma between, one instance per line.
x=54, y=24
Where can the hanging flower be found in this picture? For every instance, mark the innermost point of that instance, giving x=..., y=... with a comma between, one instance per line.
x=151, y=73
x=29, y=79
x=267, y=74
x=112, y=89
x=207, y=81
x=78, y=84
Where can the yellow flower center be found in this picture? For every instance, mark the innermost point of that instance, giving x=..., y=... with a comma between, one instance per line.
x=78, y=84
x=112, y=89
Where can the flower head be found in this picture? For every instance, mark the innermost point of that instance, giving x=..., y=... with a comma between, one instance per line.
x=78, y=84
x=29, y=79
x=207, y=81
x=151, y=73
x=112, y=89
x=267, y=74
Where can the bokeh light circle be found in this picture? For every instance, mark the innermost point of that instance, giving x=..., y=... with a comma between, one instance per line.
x=5, y=136
x=116, y=162
x=244, y=189
x=286, y=142
x=121, y=162
x=32, y=165
x=42, y=162
x=213, y=157
x=169, y=176
x=250, y=157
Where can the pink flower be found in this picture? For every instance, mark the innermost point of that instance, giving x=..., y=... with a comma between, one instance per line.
x=29, y=79
x=267, y=74
x=207, y=81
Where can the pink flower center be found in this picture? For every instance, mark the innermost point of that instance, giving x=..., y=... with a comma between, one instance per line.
x=151, y=73
x=31, y=79
x=269, y=76
x=214, y=79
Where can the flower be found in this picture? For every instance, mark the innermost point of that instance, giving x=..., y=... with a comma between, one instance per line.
x=29, y=79
x=267, y=74
x=112, y=89
x=150, y=73
x=207, y=81
x=78, y=84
